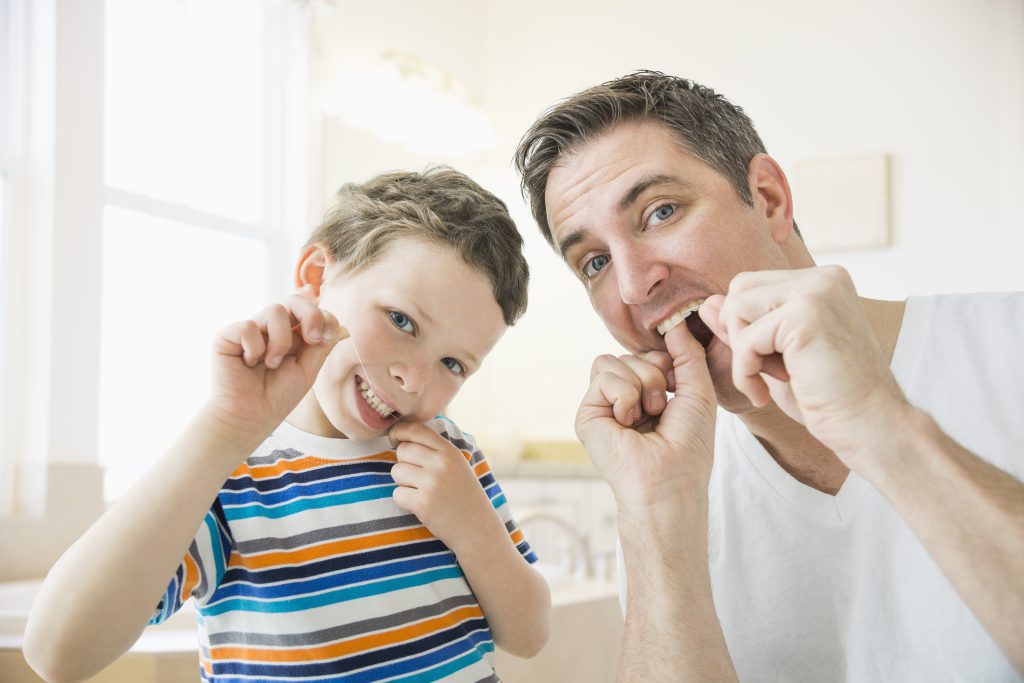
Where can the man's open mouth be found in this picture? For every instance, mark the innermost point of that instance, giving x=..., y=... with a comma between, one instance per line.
x=688, y=314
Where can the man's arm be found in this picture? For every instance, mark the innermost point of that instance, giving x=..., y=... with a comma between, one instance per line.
x=800, y=339
x=967, y=513
x=672, y=631
x=657, y=458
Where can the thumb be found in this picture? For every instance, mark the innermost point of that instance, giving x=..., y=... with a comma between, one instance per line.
x=710, y=312
x=312, y=356
x=694, y=401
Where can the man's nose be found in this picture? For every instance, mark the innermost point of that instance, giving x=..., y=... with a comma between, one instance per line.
x=638, y=272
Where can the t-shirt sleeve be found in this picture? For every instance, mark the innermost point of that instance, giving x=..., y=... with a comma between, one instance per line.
x=465, y=442
x=201, y=568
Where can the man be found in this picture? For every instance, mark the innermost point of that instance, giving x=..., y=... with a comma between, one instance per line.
x=860, y=522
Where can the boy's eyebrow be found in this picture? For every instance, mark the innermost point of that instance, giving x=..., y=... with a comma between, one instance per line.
x=631, y=195
x=422, y=315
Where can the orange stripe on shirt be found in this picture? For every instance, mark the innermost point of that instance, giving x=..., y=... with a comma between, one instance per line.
x=301, y=464
x=191, y=577
x=347, y=647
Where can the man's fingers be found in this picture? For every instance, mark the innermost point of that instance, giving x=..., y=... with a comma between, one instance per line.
x=610, y=392
x=693, y=386
x=653, y=382
x=757, y=349
x=710, y=313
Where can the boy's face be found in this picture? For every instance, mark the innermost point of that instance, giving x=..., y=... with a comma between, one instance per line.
x=422, y=321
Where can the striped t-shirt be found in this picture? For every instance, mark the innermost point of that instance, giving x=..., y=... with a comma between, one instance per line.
x=305, y=569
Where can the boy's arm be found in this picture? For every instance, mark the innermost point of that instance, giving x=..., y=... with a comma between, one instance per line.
x=437, y=484
x=514, y=596
x=116, y=572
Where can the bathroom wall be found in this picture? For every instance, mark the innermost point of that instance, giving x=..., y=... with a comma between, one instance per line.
x=937, y=85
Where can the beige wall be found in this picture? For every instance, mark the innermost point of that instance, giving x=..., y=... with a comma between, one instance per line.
x=938, y=85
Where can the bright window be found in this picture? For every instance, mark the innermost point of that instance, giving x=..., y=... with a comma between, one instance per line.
x=8, y=43
x=188, y=229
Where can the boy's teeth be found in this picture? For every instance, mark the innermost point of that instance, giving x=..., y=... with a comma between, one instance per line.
x=371, y=399
x=678, y=317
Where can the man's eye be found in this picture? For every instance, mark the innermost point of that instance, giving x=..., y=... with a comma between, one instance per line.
x=402, y=321
x=663, y=212
x=594, y=265
x=454, y=365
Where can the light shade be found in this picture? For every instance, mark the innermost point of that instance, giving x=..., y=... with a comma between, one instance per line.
x=404, y=99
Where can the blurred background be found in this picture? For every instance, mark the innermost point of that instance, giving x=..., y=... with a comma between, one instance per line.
x=162, y=162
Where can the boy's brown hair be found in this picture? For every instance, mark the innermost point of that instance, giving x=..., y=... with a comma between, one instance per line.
x=440, y=206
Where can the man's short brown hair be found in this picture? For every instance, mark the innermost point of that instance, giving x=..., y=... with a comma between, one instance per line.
x=708, y=126
x=440, y=206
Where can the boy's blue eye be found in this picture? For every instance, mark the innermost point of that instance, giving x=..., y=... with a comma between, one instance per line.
x=594, y=265
x=664, y=212
x=402, y=321
x=454, y=365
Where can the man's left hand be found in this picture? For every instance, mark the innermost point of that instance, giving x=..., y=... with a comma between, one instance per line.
x=800, y=338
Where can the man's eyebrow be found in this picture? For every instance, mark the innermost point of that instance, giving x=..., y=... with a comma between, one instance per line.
x=570, y=241
x=641, y=186
x=646, y=183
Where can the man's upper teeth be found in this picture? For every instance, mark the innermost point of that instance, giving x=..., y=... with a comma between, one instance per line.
x=371, y=398
x=679, y=316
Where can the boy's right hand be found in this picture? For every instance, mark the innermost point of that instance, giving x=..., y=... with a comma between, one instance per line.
x=262, y=367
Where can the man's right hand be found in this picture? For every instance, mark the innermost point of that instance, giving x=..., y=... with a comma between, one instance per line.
x=262, y=367
x=652, y=453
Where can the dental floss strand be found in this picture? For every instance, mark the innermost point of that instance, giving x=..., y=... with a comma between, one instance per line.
x=366, y=374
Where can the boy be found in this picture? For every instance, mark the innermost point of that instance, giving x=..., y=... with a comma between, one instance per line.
x=329, y=553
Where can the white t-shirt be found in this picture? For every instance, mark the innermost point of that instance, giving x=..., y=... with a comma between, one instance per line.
x=814, y=587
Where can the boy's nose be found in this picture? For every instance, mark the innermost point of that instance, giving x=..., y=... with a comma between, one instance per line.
x=412, y=377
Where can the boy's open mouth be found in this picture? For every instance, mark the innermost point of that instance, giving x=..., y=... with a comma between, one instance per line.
x=375, y=402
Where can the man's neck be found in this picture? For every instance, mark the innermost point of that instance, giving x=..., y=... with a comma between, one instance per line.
x=805, y=458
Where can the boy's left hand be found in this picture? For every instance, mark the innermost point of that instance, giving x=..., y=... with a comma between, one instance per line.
x=438, y=485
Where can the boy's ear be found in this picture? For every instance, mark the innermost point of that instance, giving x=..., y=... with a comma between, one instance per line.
x=312, y=267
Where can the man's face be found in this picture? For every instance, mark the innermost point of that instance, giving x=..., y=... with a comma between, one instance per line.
x=649, y=229
x=421, y=321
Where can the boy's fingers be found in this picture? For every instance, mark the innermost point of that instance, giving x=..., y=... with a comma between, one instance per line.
x=279, y=335
x=311, y=357
x=251, y=342
x=311, y=318
x=416, y=433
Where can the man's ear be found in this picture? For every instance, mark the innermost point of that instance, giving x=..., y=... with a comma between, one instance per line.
x=772, y=196
x=312, y=267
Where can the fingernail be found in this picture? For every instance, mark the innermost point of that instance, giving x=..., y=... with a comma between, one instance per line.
x=329, y=333
x=657, y=400
x=314, y=335
x=274, y=362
